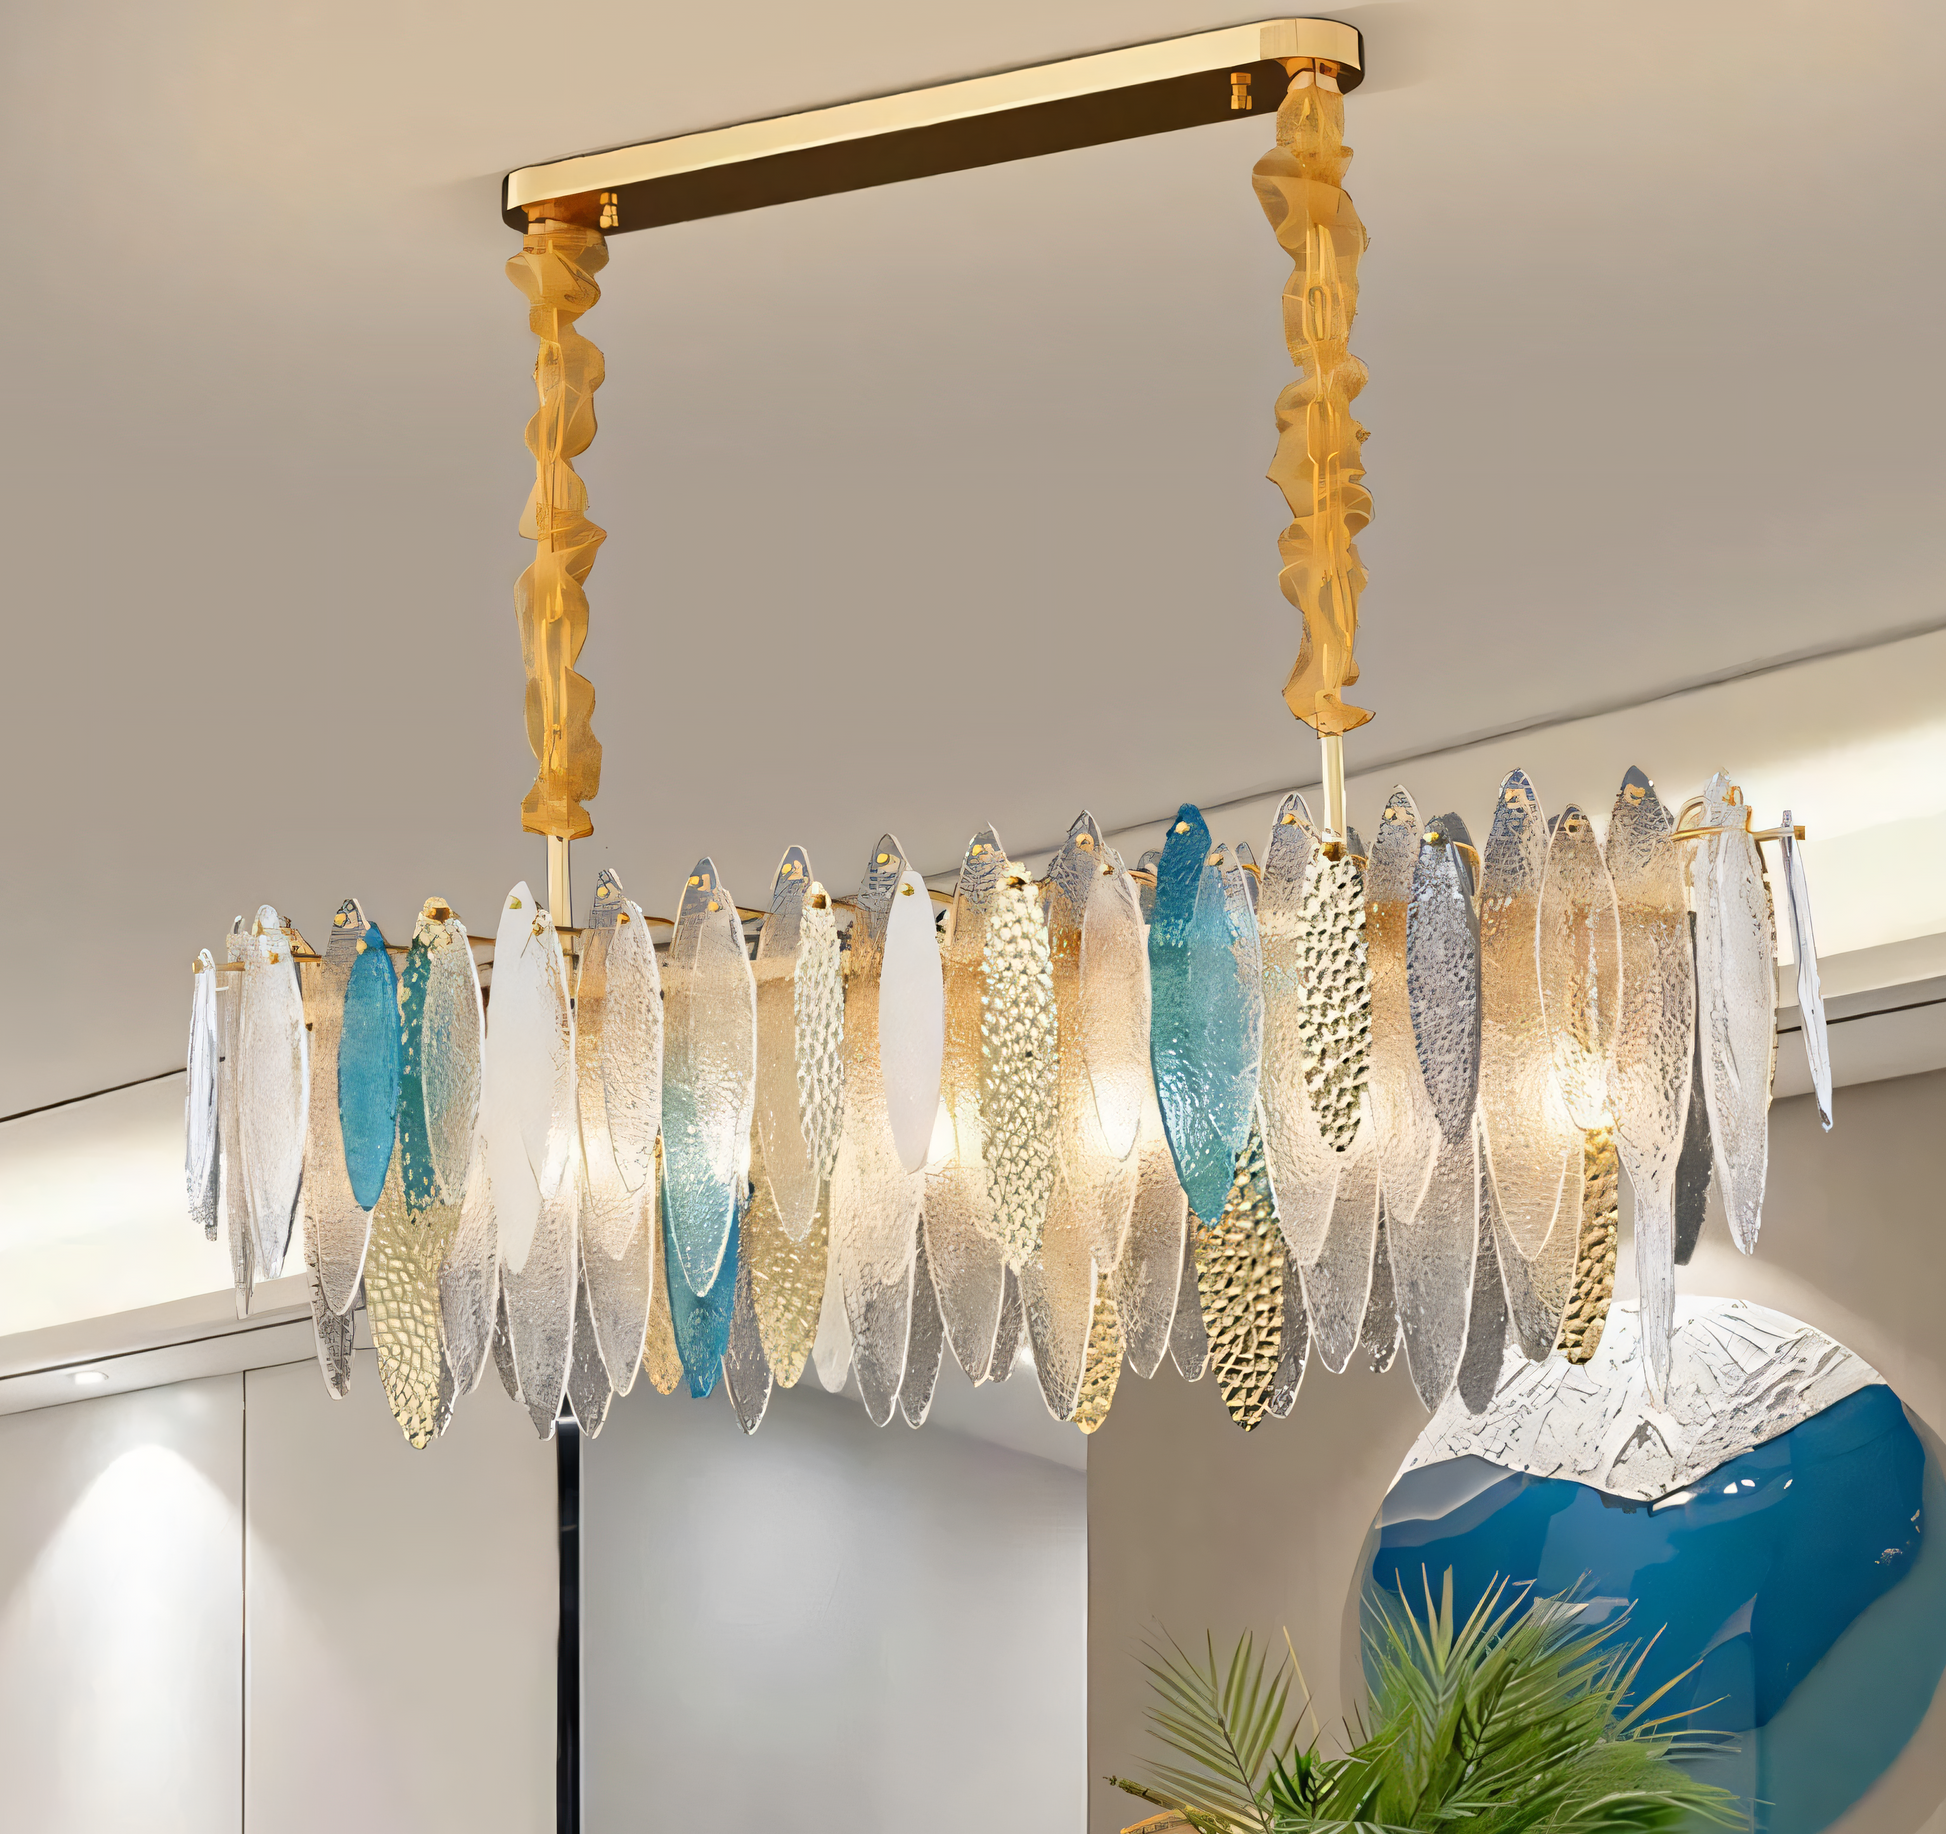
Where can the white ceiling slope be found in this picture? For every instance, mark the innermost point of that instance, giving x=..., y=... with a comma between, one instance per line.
x=930, y=506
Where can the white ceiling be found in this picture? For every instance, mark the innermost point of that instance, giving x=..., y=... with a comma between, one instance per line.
x=928, y=506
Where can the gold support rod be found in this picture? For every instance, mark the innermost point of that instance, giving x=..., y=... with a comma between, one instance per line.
x=560, y=885
x=1332, y=745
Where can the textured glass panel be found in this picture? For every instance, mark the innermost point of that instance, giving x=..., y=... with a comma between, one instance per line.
x=369, y=1050
x=1338, y=1284
x=1578, y=947
x=1206, y=1019
x=1145, y=889
x=1407, y=1128
x=1442, y=956
x=1115, y=999
x=1594, y=1272
x=1654, y=1046
x=1537, y=1287
x=335, y=1333
x=820, y=1001
x=1103, y=1367
x=402, y=1307
x=539, y=1298
x=503, y=1353
x=875, y=1200
x=962, y=1228
x=1736, y=985
x=1432, y=1267
x=527, y=1105
x=1247, y=961
x=925, y=1344
x=709, y=1076
x=469, y=1278
x=790, y=1157
x=1013, y=1329
x=1101, y=1174
x=620, y=1286
x=336, y=1224
x=199, y=1107
x=273, y=1089
x=1293, y=1344
x=1380, y=1335
x=1188, y=1340
x=1302, y=1164
x=746, y=1371
x=1020, y=1070
x=1810, y=995
x=1694, y=1165
x=911, y=1020
x=702, y=1325
x=1533, y=1150
x=1240, y=1276
x=232, y=1196
x=452, y=1046
x=589, y=1393
x=787, y=1280
x=618, y=1040
x=1057, y=1295
x=661, y=1360
x=1486, y=1325
x=1148, y=1277
x=831, y=1348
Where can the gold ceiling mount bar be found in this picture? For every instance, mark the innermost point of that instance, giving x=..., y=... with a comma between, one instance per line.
x=1319, y=464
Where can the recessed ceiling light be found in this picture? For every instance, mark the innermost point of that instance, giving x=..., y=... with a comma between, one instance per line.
x=87, y=1378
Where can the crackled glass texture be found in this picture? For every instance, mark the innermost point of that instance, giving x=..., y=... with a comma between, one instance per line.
x=709, y=1077
x=199, y=1106
x=1654, y=1045
x=527, y=1101
x=1596, y=1249
x=589, y=1392
x=1302, y=1162
x=1057, y=1296
x=1240, y=1279
x=789, y=1156
x=1102, y=1022
x=449, y=1054
x=820, y=1002
x=336, y=1333
x=1020, y=1072
x=661, y=1360
x=1433, y=1258
x=469, y=1279
x=369, y=1051
x=336, y=1224
x=911, y=1020
x=1188, y=1340
x=1486, y=1326
x=1206, y=1019
x=1338, y=1282
x=787, y=1280
x=1406, y=1124
x=402, y=1308
x=539, y=1301
x=1011, y=1334
x=963, y=1236
x=1537, y=1286
x=1102, y=1369
x=619, y=1286
x=746, y=1371
x=1379, y=1337
x=1293, y=1345
x=273, y=1089
x=1736, y=985
x=1533, y=1150
x=1810, y=994
x=701, y=1326
x=1579, y=951
x=925, y=1344
x=1148, y=1277
x=875, y=1200
x=1442, y=956
x=618, y=1040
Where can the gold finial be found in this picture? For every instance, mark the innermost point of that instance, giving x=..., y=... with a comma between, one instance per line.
x=1240, y=90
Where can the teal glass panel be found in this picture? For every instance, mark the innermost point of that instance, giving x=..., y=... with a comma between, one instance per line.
x=369, y=1069
x=1206, y=1013
x=702, y=1325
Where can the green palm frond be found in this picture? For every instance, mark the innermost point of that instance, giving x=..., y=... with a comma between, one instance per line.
x=1512, y=1720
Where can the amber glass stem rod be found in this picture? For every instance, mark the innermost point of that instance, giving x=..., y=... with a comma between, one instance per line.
x=560, y=886
x=1332, y=745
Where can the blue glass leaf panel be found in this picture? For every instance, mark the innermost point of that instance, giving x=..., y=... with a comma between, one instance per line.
x=369, y=1069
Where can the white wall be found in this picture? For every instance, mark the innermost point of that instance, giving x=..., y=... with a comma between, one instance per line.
x=829, y=1626
x=121, y=1613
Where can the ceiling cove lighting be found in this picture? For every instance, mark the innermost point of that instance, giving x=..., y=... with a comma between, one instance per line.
x=1361, y=1093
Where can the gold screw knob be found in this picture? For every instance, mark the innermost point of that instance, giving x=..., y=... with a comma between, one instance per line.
x=1240, y=89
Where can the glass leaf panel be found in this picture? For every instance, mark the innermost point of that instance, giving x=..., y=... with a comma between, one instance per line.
x=232, y=1193
x=618, y=1041
x=440, y=1089
x=1012, y=1332
x=1433, y=1258
x=1057, y=1296
x=1694, y=1165
x=370, y=1054
x=1407, y=1126
x=1338, y=1283
x=820, y=999
x=539, y=1298
x=701, y=1324
x=1810, y=995
x=1293, y=1345
x=1538, y=1286
x=790, y=1156
x=1736, y=969
x=911, y=1020
x=1654, y=1048
x=925, y=1343
x=831, y=1348
x=963, y=1234
x=1020, y=1076
x=1148, y=1278
x=1532, y=1148
x=661, y=1359
x=1594, y=1273
x=709, y=1078
x=619, y=1287
x=746, y=1371
x=1240, y=1278
x=787, y=1280
x=1486, y=1325
x=469, y=1279
x=273, y=1089
x=199, y=1106
x=1102, y=1369
x=1188, y=1339
x=1442, y=952
x=1380, y=1336
x=589, y=1392
x=1115, y=1015
x=503, y=1354
x=1206, y=1013
x=1578, y=948
x=402, y=1307
x=336, y=1224
x=336, y=1333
